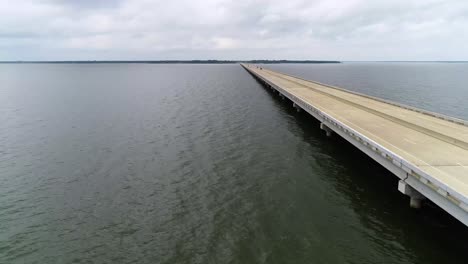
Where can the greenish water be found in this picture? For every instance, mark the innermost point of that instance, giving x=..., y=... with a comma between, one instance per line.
x=135, y=163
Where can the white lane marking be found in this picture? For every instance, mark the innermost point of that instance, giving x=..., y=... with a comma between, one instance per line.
x=410, y=141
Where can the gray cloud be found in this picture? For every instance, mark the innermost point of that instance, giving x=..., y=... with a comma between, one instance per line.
x=228, y=29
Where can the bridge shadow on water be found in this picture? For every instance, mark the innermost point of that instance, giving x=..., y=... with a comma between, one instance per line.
x=373, y=195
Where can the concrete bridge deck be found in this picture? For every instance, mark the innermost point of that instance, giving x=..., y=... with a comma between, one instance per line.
x=427, y=151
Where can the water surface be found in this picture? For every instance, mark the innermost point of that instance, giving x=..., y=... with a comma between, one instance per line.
x=142, y=163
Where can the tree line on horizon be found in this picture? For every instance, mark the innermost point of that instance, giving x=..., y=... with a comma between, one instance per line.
x=178, y=61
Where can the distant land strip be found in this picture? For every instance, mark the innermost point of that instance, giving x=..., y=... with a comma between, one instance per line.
x=179, y=61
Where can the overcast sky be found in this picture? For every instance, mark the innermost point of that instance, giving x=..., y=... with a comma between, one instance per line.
x=237, y=29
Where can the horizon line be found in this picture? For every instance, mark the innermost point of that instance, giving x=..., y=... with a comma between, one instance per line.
x=218, y=60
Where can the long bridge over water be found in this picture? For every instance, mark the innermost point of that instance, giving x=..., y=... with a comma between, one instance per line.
x=426, y=150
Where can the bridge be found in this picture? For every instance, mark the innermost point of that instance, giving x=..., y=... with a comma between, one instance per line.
x=427, y=151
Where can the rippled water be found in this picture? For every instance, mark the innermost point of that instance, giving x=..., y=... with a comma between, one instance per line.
x=135, y=163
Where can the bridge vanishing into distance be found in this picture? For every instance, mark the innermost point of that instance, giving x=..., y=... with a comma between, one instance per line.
x=426, y=150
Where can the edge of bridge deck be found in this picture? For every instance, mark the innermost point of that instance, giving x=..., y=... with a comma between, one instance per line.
x=441, y=194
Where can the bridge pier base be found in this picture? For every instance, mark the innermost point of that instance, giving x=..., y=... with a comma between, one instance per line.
x=298, y=108
x=326, y=129
x=415, y=203
x=416, y=197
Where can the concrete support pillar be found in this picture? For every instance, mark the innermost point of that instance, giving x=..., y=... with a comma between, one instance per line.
x=415, y=203
x=298, y=108
x=326, y=129
x=415, y=196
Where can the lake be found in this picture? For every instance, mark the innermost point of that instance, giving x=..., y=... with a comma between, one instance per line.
x=186, y=163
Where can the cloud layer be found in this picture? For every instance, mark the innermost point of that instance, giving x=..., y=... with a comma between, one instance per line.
x=229, y=29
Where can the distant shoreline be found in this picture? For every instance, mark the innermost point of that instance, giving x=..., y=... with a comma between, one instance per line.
x=215, y=62
x=183, y=61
